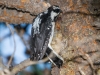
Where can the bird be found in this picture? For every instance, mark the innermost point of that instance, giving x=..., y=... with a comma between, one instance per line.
x=42, y=32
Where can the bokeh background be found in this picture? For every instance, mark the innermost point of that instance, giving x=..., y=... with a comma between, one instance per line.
x=21, y=35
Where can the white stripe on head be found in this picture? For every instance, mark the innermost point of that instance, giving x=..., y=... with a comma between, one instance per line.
x=53, y=15
x=55, y=7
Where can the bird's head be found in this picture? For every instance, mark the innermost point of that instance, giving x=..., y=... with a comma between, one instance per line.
x=54, y=11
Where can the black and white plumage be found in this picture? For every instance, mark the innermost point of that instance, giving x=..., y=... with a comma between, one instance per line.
x=42, y=33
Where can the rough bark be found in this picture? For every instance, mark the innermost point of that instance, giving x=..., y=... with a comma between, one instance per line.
x=20, y=11
x=78, y=38
x=77, y=34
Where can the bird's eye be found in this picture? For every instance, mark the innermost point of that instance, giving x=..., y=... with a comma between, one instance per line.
x=57, y=10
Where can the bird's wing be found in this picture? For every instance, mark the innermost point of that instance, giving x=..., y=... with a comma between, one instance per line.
x=39, y=41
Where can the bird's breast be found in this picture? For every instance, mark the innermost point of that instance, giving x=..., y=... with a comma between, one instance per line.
x=52, y=32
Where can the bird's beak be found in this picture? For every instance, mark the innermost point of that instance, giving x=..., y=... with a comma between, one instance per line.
x=61, y=11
